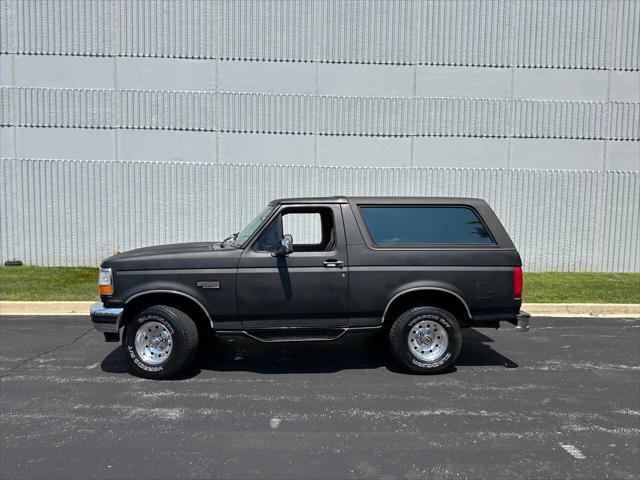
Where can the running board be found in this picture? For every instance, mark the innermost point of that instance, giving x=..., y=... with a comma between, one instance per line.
x=289, y=334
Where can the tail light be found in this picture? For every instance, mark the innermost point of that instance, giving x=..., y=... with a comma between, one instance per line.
x=517, y=282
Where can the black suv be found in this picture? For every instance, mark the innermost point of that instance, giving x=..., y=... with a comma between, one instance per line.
x=314, y=269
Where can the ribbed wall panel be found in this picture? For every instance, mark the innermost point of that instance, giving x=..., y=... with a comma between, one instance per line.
x=365, y=31
x=560, y=119
x=561, y=33
x=6, y=108
x=63, y=27
x=591, y=34
x=365, y=116
x=464, y=117
x=6, y=19
x=60, y=212
x=624, y=123
x=61, y=107
x=166, y=110
x=273, y=30
x=168, y=28
x=621, y=218
x=264, y=113
x=325, y=115
x=459, y=32
x=559, y=218
x=624, y=35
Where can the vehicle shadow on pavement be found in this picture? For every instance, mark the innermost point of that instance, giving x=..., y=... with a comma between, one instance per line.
x=358, y=351
x=476, y=352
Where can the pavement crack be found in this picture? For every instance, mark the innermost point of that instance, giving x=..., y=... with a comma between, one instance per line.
x=46, y=352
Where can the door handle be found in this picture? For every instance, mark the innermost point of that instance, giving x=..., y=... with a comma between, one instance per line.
x=333, y=264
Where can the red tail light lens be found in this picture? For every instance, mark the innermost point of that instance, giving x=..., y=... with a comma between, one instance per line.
x=517, y=282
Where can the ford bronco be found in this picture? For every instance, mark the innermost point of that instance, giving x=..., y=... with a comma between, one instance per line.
x=314, y=269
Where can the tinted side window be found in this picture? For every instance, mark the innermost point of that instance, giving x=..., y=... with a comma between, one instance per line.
x=425, y=226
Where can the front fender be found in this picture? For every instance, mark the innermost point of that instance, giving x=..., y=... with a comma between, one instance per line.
x=212, y=290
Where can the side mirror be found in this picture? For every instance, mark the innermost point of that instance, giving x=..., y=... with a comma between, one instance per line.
x=286, y=246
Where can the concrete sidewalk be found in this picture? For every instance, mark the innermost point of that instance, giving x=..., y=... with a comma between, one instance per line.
x=535, y=309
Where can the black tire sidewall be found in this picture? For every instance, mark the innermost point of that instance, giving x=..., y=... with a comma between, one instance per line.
x=408, y=320
x=178, y=354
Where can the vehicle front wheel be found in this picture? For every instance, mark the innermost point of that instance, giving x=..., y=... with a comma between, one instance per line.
x=426, y=339
x=160, y=342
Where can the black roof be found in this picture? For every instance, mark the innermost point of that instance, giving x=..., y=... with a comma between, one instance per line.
x=337, y=199
x=379, y=200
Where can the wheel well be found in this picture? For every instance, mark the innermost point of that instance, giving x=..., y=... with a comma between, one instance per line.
x=187, y=305
x=435, y=298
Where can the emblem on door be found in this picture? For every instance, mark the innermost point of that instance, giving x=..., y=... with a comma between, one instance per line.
x=208, y=284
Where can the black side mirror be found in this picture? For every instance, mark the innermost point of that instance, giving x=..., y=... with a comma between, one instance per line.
x=286, y=247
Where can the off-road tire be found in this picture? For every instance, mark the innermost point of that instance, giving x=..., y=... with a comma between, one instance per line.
x=438, y=318
x=184, y=339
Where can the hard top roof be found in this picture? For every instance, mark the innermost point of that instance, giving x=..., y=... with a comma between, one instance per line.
x=379, y=200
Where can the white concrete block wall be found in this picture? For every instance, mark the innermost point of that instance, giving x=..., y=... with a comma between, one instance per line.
x=473, y=84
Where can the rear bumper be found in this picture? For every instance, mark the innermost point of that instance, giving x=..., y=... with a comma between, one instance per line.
x=105, y=319
x=523, y=321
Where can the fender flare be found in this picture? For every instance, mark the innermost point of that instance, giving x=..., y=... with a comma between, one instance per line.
x=415, y=289
x=173, y=292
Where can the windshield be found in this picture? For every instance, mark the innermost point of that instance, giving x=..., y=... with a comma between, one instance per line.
x=244, y=234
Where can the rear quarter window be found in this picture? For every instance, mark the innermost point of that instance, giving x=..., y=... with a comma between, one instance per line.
x=425, y=225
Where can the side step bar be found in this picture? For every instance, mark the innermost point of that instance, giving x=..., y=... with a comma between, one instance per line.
x=289, y=334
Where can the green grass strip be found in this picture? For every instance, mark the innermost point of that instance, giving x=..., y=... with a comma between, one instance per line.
x=48, y=283
x=554, y=287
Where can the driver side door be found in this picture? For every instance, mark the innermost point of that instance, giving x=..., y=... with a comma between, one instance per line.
x=308, y=287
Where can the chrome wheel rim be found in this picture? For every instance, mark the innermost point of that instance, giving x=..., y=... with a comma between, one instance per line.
x=153, y=343
x=428, y=340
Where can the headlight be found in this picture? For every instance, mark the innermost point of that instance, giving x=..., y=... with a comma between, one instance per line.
x=105, y=281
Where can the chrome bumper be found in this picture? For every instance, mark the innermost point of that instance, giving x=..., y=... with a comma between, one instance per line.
x=105, y=319
x=523, y=321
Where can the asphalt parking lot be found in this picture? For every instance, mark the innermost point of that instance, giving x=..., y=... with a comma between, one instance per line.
x=562, y=401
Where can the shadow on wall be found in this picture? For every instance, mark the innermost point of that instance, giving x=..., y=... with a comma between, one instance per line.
x=356, y=351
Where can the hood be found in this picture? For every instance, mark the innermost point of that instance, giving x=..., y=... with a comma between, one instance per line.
x=180, y=256
x=174, y=248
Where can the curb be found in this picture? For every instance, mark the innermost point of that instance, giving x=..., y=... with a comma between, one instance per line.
x=603, y=310
x=582, y=309
x=45, y=308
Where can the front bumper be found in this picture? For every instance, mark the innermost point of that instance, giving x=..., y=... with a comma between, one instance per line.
x=105, y=319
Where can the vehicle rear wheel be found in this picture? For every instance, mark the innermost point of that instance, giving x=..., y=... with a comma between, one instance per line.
x=426, y=339
x=160, y=342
